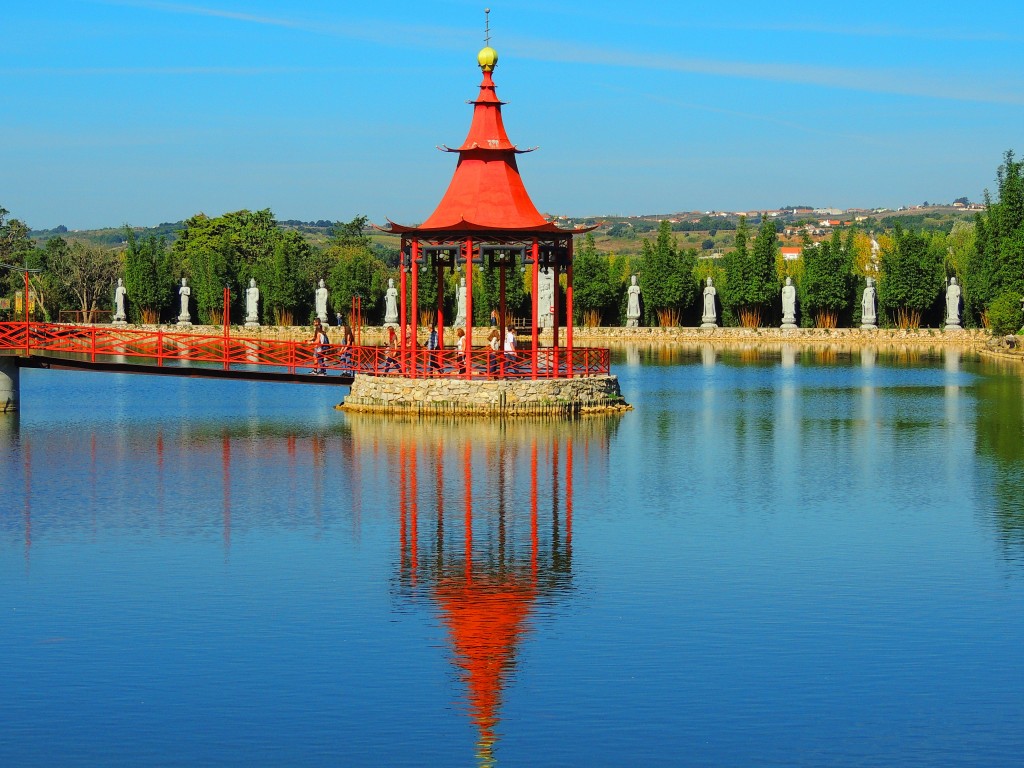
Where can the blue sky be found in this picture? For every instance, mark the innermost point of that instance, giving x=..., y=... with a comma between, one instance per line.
x=138, y=112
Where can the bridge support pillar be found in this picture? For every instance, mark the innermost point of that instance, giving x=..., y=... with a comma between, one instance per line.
x=10, y=384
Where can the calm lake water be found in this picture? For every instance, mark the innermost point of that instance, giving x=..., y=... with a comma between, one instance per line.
x=780, y=558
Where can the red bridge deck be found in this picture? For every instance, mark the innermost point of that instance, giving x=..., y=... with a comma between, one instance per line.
x=224, y=356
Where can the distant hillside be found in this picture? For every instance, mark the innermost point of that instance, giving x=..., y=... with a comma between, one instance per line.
x=707, y=231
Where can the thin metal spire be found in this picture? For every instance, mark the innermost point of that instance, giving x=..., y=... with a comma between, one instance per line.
x=487, y=27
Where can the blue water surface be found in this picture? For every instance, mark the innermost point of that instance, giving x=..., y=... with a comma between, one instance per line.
x=781, y=557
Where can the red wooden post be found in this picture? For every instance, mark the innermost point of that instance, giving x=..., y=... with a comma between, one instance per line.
x=501, y=319
x=28, y=333
x=159, y=348
x=536, y=287
x=227, y=322
x=401, y=307
x=554, y=316
x=440, y=305
x=568, y=310
x=415, y=305
x=469, y=308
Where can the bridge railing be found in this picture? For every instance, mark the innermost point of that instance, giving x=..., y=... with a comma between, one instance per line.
x=160, y=347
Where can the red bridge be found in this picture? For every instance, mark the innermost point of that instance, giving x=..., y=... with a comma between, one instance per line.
x=176, y=353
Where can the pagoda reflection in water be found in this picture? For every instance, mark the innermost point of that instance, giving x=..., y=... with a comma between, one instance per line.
x=485, y=516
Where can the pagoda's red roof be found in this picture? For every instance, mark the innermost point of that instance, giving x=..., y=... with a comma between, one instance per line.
x=486, y=192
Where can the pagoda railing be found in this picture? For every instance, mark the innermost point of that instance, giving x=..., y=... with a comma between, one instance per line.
x=100, y=343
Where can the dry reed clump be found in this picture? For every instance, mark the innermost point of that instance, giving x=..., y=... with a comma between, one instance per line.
x=750, y=317
x=668, y=318
x=826, y=319
x=908, y=319
x=592, y=318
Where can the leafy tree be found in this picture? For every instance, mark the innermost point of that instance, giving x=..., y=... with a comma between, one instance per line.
x=752, y=284
x=827, y=282
x=997, y=263
x=280, y=281
x=912, y=277
x=142, y=277
x=666, y=277
x=350, y=233
x=15, y=248
x=593, y=292
x=358, y=272
x=87, y=272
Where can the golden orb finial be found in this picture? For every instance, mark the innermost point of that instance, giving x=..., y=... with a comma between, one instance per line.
x=487, y=58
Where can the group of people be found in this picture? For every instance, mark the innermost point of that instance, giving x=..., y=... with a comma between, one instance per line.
x=321, y=342
x=501, y=352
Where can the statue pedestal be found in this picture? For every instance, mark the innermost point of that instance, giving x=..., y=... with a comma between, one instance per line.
x=252, y=324
x=119, y=323
x=869, y=327
x=952, y=328
x=632, y=322
x=788, y=327
x=184, y=323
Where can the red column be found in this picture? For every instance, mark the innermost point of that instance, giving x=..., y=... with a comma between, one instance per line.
x=227, y=325
x=501, y=319
x=401, y=306
x=568, y=310
x=536, y=287
x=24, y=304
x=415, y=307
x=440, y=305
x=469, y=307
x=555, y=308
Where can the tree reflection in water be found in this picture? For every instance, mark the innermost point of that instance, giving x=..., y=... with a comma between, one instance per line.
x=999, y=437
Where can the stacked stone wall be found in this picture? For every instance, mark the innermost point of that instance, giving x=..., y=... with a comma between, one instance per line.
x=510, y=397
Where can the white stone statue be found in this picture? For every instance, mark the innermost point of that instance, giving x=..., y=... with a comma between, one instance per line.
x=460, y=305
x=546, y=299
x=868, y=318
x=952, y=306
x=320, y=297
x=709, y=319
x=184, y=318
x=120, y=317
x=252, y=305
x=632, y=303
x=391, y=303
x=788, y=304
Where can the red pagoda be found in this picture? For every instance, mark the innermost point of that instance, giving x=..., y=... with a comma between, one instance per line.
x=487, y=217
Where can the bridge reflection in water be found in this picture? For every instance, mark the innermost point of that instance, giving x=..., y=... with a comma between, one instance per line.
x=485, y=519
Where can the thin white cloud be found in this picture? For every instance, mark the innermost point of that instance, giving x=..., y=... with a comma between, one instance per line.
x=894, y=82
x=153, y=71
x=868, y=80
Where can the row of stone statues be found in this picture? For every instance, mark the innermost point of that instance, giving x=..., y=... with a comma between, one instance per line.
x=709, y=315
x=869, y=305
x=252, y=301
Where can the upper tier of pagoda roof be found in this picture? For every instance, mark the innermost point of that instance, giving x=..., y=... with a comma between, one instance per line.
x=486, y=193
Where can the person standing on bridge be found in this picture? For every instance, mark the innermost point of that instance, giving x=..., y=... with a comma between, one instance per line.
x=320, y=342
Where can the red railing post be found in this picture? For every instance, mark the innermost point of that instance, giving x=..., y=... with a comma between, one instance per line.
x=227, y=325
x=159, y=347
